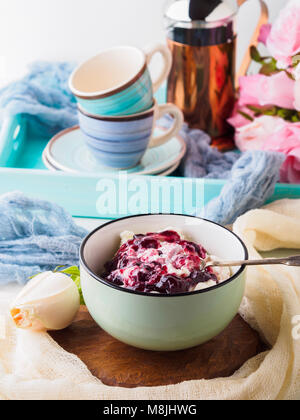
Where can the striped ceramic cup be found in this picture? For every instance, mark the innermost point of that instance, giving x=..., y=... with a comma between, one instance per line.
x=117, y=81
x=120, y=142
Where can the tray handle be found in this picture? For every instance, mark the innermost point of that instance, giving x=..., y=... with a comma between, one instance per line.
x=12, y=139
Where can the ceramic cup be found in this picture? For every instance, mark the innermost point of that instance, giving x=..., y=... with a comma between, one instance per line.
x=117, y=81
x=161, y=322
x=120, y=142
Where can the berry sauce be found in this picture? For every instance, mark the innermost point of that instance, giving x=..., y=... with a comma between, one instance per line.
x=158, y=262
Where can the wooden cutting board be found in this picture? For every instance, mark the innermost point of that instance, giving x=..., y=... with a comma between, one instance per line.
x=117, y=364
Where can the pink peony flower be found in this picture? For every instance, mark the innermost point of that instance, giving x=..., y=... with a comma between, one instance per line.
x=258, y=89
x=283, y=41
x=297, y=95
x=253, y=135
x=290, y=170
x=277, y=135
x=264, y=33
x=287, y=140
x=237, y=120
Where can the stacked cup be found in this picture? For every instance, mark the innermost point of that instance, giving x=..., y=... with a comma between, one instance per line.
x=117, y=110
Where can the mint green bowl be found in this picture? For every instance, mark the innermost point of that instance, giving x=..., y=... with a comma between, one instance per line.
x=161, y=322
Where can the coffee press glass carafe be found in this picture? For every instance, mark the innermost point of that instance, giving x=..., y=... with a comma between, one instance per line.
x=202, y=37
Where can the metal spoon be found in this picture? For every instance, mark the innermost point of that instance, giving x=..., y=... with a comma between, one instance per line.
x=291, y=261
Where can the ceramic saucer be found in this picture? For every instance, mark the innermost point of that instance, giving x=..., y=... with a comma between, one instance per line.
x=52, y=168
x=68, y=152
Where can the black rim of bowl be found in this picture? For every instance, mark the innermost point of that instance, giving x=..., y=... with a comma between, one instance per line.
x=123, y=289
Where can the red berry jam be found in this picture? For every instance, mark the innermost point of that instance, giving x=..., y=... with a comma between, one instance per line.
x=160, y=263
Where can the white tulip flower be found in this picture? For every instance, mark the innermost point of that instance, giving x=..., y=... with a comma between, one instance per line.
x=50, y=301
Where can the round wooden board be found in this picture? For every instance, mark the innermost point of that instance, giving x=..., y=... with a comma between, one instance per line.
x=117, y=364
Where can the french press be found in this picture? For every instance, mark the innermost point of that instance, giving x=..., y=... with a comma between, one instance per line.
x=202, y=37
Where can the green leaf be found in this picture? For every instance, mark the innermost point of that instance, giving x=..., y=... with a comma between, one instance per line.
x=286, y=114
x=58, y=268
x=256, y=110
x=32, y=277
x=72, y=271
x=255, y=55
x=273, y=111
x=76, y=280
x=270, y=111
x=296, y=60
x=295, y=118
x=248, y=117
x=269, y=68
x=263, y=110
x=289, y=75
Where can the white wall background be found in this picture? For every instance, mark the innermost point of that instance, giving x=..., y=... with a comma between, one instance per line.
x=76, y=29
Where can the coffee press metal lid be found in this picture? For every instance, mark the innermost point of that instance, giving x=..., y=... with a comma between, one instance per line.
x=205, y=11
x=201, y=22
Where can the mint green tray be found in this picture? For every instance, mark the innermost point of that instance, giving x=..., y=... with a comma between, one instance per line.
x=22, y=169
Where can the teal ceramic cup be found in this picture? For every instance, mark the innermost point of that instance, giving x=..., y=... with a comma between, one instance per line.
x=117, y=81
x=121, y=142
x=161, y=322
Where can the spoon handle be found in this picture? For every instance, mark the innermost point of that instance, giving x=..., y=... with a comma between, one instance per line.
x=291, y=261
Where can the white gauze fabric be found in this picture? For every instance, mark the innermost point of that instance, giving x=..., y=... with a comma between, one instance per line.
x=33, y=366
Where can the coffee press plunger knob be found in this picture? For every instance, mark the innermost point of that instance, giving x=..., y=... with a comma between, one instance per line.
x=201, y=9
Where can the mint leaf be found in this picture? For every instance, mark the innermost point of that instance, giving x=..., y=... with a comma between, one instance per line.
x=73, y=271
x=76, y=280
